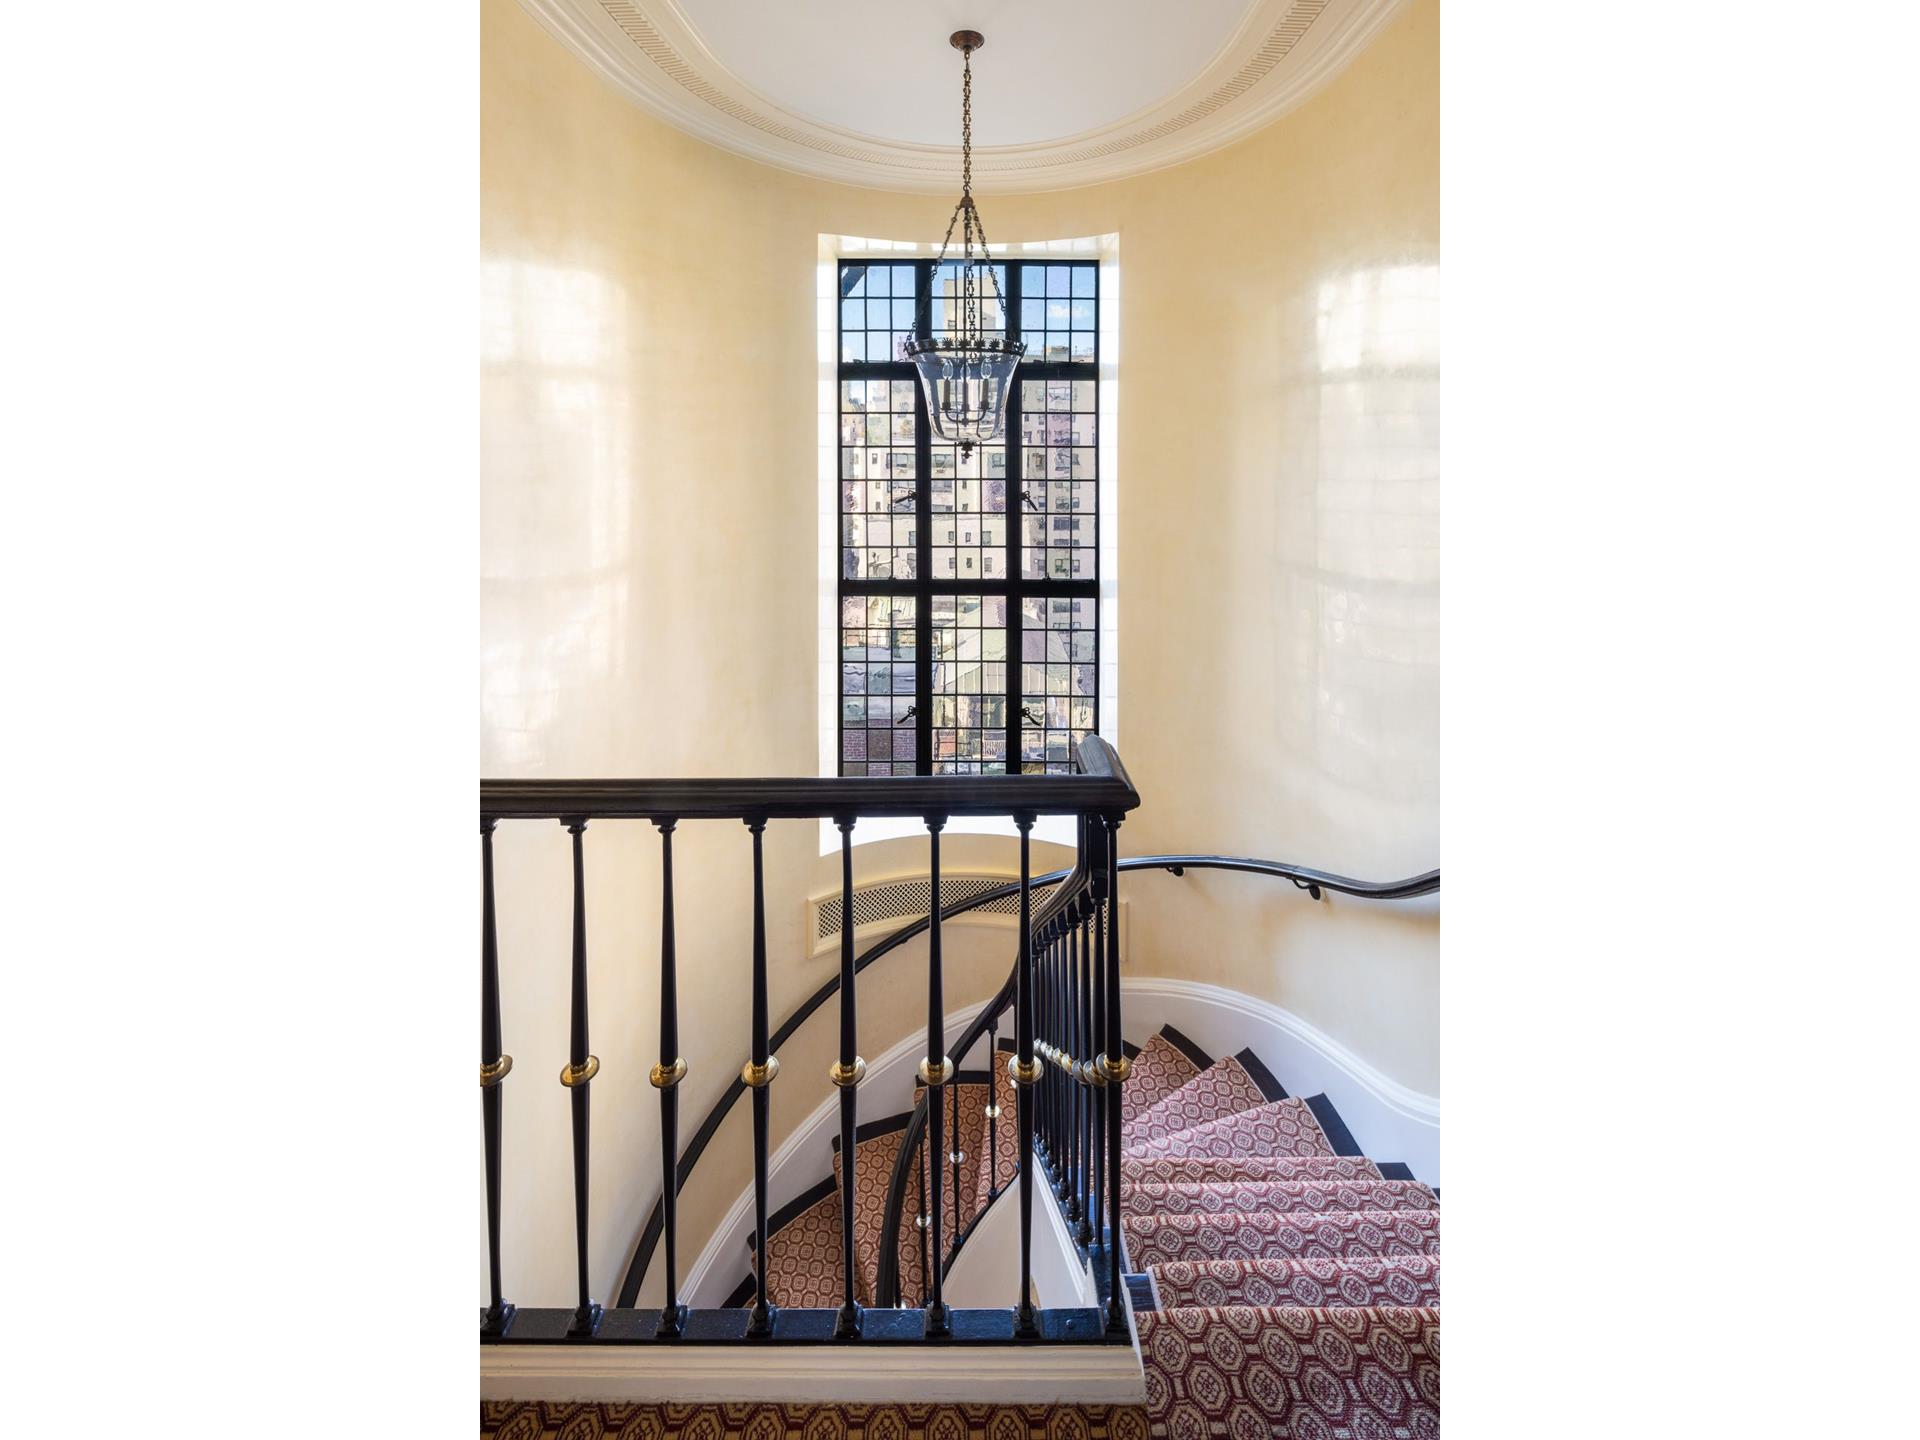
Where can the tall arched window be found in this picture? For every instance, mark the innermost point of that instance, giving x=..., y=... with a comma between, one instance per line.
x=969, y=625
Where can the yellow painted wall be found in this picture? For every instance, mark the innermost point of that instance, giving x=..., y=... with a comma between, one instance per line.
x=650, y=572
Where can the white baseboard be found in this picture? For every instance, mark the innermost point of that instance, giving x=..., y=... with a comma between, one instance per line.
x=1012, y=1374
x=1390, y=1121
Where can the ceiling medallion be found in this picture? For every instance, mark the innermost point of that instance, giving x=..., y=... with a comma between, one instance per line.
x=966, y=371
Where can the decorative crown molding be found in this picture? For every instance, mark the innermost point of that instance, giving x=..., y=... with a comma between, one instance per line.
x=1282, y=52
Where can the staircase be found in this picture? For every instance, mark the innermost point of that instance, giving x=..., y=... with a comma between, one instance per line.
x=1283, y=1284
x=1291, y=1285
x=806, y=1268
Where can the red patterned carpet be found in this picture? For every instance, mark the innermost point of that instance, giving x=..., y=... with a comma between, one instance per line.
x=1159, y=1069
x=1297, y=1290
x=1223, y=1088
x=1327, y=1374
x=1282, y=1127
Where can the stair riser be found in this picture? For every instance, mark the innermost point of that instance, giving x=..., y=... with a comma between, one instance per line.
x=1203, y=1169
x=1355, y=1281
x=1260, y=1236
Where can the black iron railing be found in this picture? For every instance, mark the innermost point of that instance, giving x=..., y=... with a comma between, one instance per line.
x=1099, y=795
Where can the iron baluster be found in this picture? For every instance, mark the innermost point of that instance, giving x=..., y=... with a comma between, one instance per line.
x=936, y=1071
x=493, y=1069
x=846, y=1075
x=1025, y=1070
x=666, y=1077
x=1096, y=1075
x=1086, y=1188
x=1116, y=1066
x=758, y=1075
x=578, y=1079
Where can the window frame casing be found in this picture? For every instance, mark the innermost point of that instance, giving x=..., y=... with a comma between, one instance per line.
x=1014, y=585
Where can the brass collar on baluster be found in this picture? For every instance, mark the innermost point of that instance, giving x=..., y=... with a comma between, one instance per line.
x=756, y=1076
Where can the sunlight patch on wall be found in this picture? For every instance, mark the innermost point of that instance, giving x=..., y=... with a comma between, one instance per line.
x=556, y=504
x=1362, y=541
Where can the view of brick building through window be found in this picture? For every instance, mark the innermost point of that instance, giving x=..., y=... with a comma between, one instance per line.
x=968, y=608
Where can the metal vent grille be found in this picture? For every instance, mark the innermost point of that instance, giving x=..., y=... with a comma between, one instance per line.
x=893, y=903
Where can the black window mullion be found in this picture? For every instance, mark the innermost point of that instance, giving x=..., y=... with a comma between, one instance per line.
x=923, y=539
x=1016, y=519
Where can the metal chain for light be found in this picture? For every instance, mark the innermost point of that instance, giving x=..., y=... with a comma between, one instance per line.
x=967, y=215
x=965, y=376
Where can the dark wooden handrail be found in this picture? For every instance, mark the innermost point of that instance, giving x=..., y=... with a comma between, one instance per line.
x=1101, y=787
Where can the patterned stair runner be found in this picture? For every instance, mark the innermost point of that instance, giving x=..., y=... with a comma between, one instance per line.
x=1224, y=1088
x=1323, y=1372
x=1283, y=1127
x=804, y=1258
x=874, y=1150
x=1355, y=1280
x=1276, y=1234
x=1234, y=1197
x=1160, y=1068
x=1175, y=1169
x=970, y=1087
x=1294, y=1290
x=1004, y=1154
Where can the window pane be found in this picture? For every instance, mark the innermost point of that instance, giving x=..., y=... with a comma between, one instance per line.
x=1059, y=480
x=876, y=649
x=969, y=684
x=1057, y=692
x=877, y=519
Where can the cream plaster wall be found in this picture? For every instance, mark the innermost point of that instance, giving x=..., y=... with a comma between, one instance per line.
x=648, y=561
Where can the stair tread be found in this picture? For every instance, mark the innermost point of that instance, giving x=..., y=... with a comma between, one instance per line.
x=1279, y=1127
x=1357, y=1280
x=1159, y=1069
x=873, y=1170
x=1372, y=1370
x=805, y=1261
x=997, y=1161
x=1159, y=1169
x=1188, y=1197
x=1279, y=1234
x=961, y=1204
x=1224, y=1088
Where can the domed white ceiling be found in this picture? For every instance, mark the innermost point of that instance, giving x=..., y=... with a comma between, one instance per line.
x=1066, y=92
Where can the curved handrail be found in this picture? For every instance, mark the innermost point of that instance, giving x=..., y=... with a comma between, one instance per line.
x=649, y=1239
x=1312, y=881
x=887, y=1288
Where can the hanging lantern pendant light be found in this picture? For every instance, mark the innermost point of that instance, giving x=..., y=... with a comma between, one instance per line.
x=965, y=373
